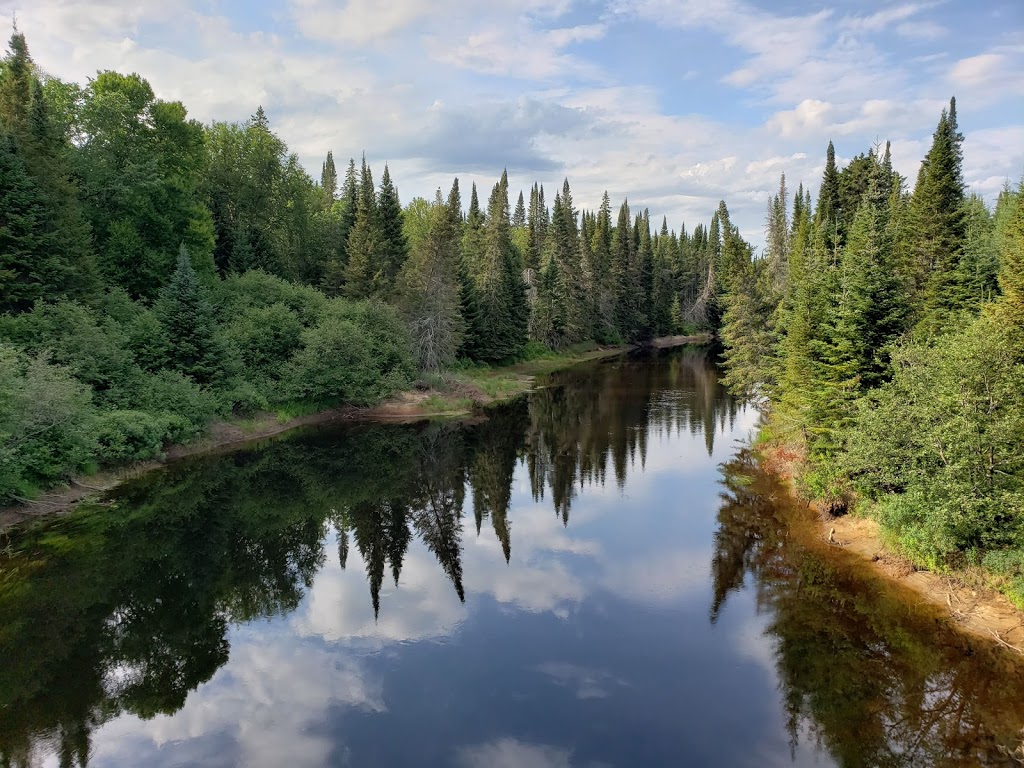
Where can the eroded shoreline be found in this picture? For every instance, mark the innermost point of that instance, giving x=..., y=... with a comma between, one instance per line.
x=973, y=608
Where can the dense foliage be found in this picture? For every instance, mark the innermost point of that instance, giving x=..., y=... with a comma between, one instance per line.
x=884, y=331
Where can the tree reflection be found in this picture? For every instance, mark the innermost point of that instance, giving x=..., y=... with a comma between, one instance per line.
x=874, y=683
x=125, y=608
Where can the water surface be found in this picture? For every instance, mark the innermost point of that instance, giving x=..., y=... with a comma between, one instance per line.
x=596, y=575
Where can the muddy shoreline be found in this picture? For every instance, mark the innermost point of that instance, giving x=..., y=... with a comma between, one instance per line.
x=960, y=599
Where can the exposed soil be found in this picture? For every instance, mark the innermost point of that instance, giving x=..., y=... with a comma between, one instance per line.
x=962, y=598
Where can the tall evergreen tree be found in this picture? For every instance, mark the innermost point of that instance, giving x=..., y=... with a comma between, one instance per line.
x=429, y=291
x=937, y=226
x=26, y=266
x=329, y=180
x=187, y=317
x=363, y=270
x=393, y=249
x=504, y=309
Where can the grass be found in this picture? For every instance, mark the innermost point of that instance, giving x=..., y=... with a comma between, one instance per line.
x=439, y=403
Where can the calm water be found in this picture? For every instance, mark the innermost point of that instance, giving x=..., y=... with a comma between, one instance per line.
x=594, y=576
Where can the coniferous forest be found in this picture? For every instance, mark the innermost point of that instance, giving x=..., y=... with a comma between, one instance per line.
x=157, y=274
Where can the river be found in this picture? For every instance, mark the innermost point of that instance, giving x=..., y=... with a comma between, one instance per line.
x=597, y=574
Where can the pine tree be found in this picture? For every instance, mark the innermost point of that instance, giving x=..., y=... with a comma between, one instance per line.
x=393, y=249
x=937, y=227
x=187, y=317
x=363, y=271
x=429, y=291
x=26, y=267
x=329, y=180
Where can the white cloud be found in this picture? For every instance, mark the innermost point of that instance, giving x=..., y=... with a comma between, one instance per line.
x=512, y=753
x=261, y=707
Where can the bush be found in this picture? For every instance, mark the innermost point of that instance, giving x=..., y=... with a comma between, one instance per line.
x=1008, y=565
x=95, y=349
x=264, y=338
x=123, y=436
x=247, y=397
x=256, y=290
x=185, y=406
x=45, y=421
x=942, y=445
x=357, y=354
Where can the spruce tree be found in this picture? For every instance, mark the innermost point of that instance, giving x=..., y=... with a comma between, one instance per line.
x=329, y=180
x=26, y=262
x=504, y=309
x=363, y=270
x=393, y=249
x=519, y=217
x=826, y=216
x=429, y=291
x=937, y=227
x=188, y=319
x=872, y=311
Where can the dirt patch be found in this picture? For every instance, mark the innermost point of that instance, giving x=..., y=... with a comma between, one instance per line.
x=677, y=341
x=962, y=598
x=976, y=609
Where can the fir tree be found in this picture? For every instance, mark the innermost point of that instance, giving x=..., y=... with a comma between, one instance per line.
x=329, y=180
x=393, y=249
x=363, y=270
x=187, y=317
x=937, y=227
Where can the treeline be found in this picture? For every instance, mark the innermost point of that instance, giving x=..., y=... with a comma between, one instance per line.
x=157, y=274
x=884, y=329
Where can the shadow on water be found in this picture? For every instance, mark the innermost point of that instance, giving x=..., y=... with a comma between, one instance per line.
x=126, y=607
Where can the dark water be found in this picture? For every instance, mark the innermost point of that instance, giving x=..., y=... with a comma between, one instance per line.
x=595, y=576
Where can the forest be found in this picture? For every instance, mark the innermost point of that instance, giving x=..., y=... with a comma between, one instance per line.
x=882, y=331
x=158, y=274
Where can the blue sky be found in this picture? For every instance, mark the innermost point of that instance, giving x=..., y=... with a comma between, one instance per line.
x=673, y=103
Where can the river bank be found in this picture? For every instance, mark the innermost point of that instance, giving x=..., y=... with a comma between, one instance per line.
x=961, y=598
x=455, y=394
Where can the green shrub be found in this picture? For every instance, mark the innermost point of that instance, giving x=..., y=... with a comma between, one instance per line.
x=358, y=354
x=1008, y=564
x=264, y=338
x=255, y=290
x=45, y=421
x=186, y=406
x=94, y=348
x=247, y=397
x=123, y=436
x=535, y=350
x=941, y=446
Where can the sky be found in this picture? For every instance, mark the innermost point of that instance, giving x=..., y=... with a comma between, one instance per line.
x=674, y=104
